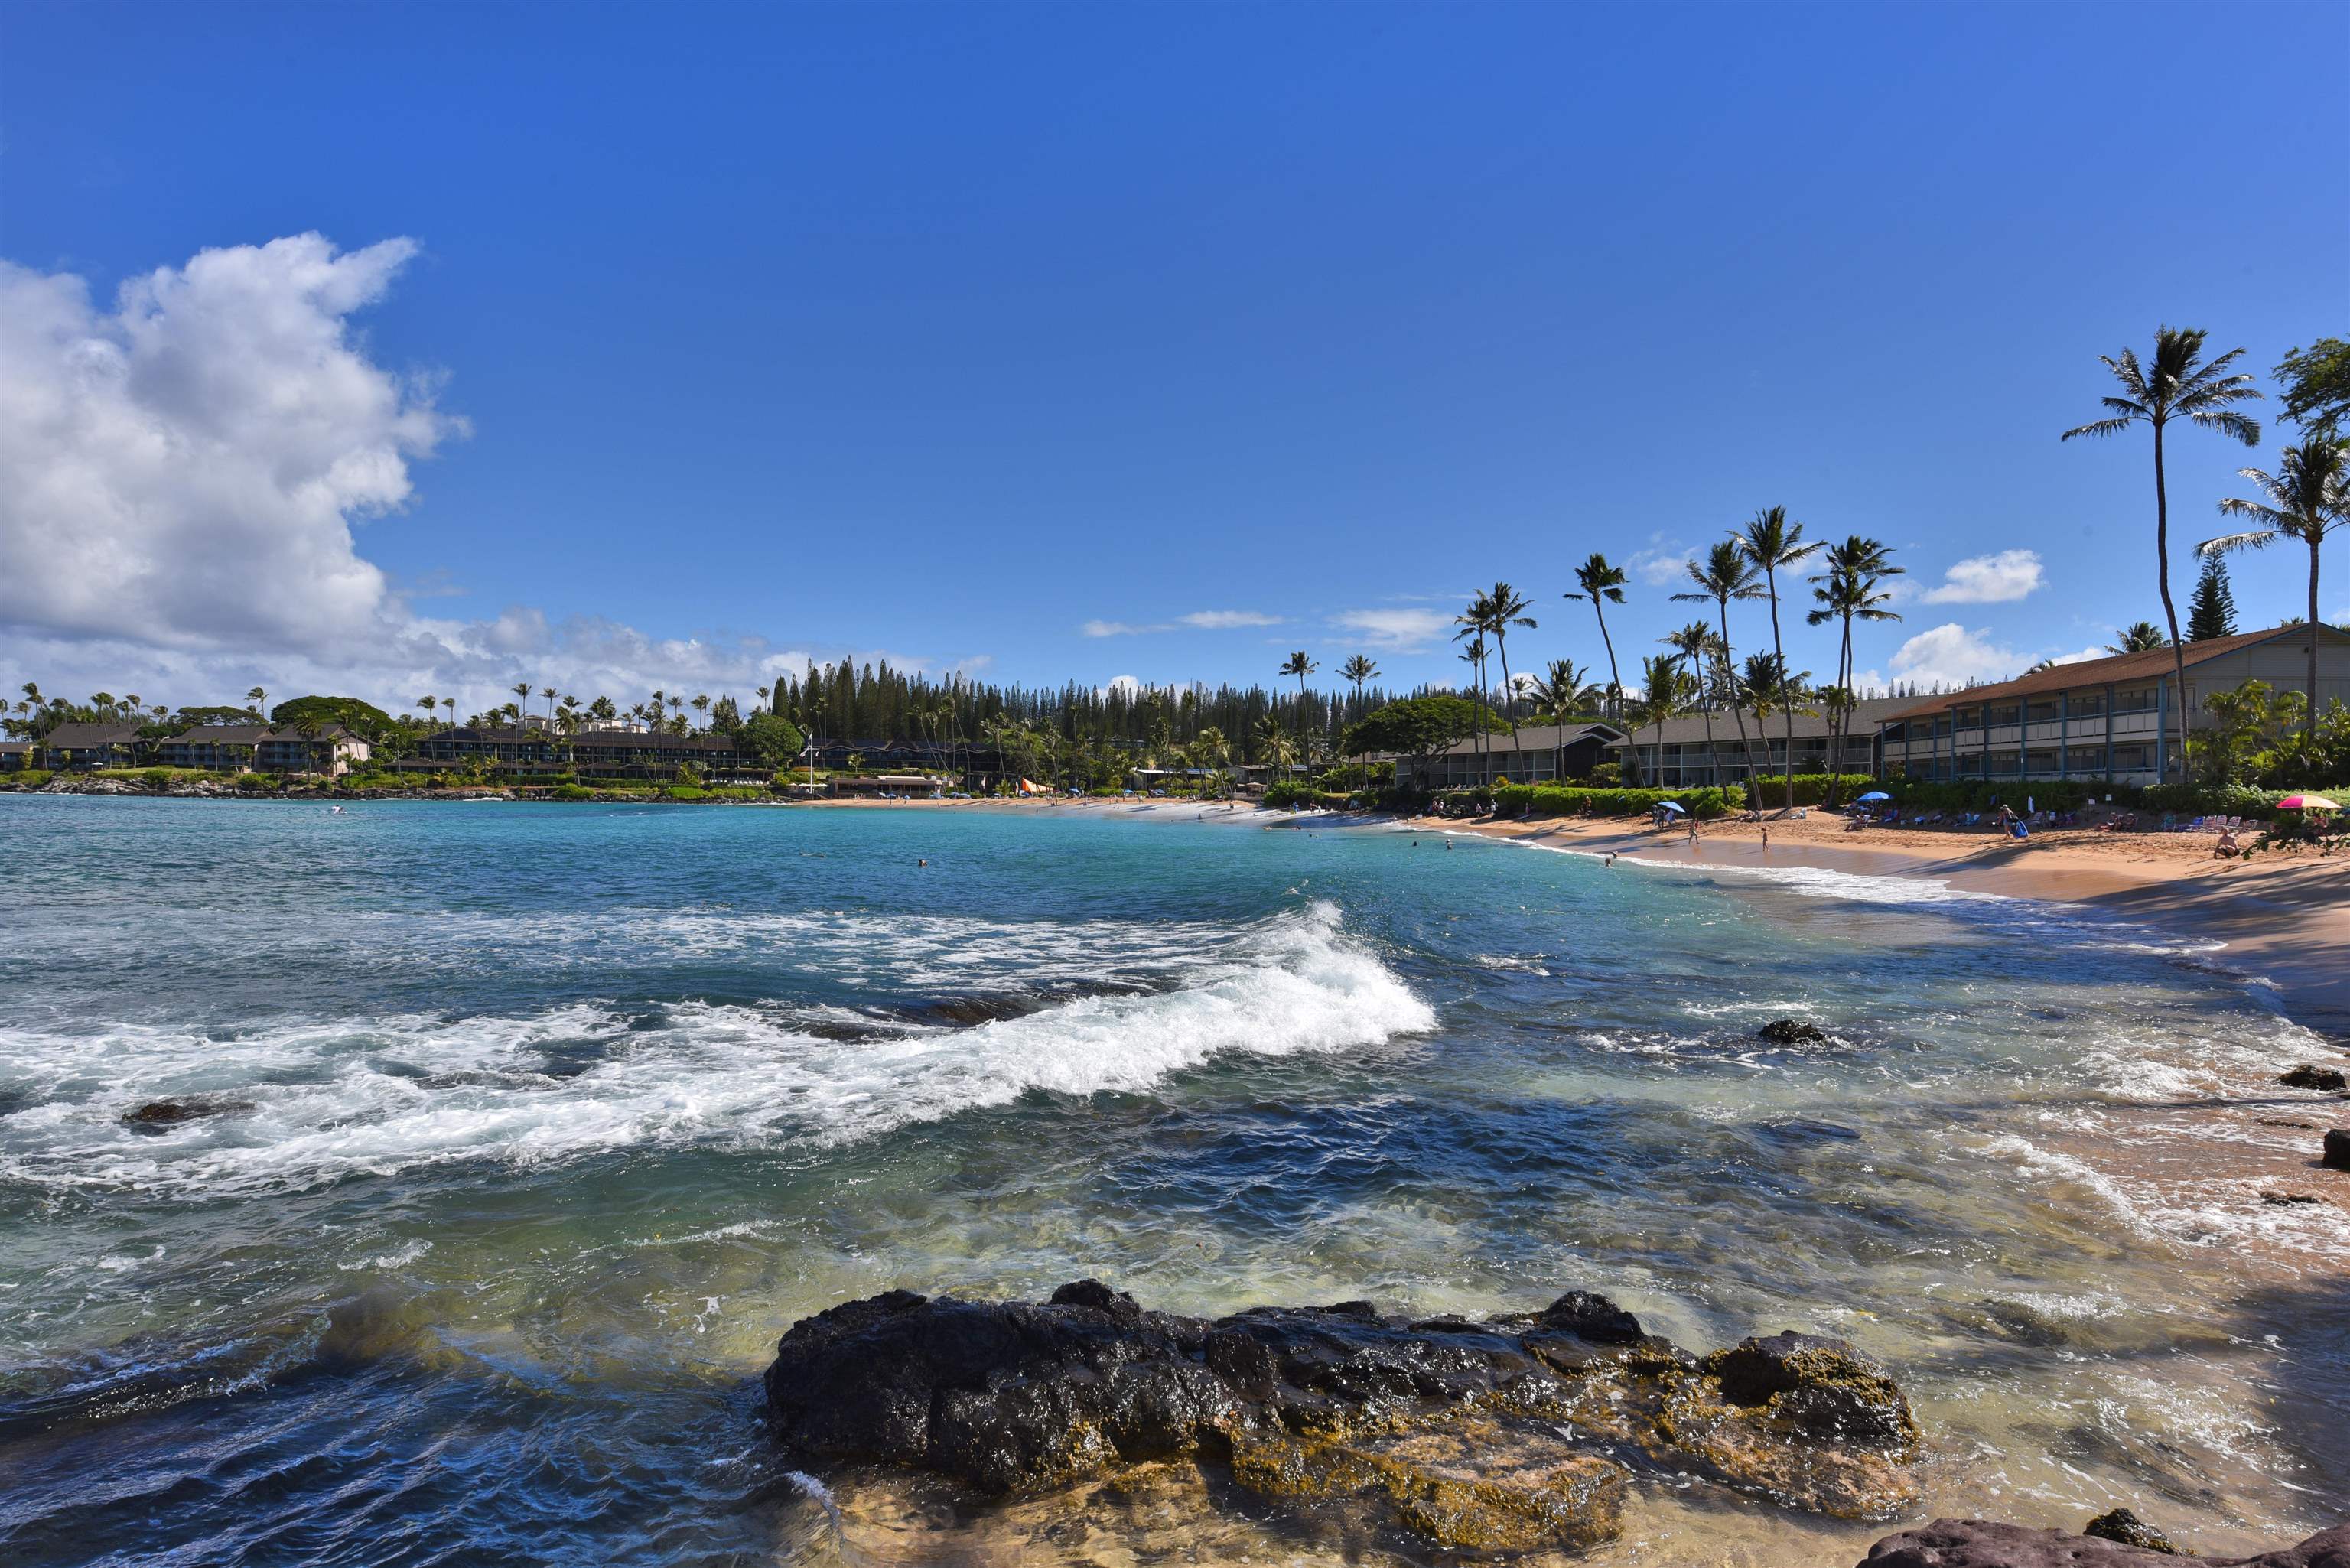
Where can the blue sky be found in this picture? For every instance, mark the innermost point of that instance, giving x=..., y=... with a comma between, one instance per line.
x=968, y=335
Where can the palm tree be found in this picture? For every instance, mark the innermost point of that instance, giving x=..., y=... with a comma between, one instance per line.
x=568, y=720
x=1665, y=692
x=548, y=692
x=1771, y=540
x=2308, y=498
x=2178, y=385
x=428, y=704
x=1771, y=689
x=1354, y=672
x=1603, y=584
x=701, y=709
x=257, y=699
x=1560, y=694
x=449, y=703
x=1506, y=608
x=1297, y=664
x=1473, y=656
x=1849, y=589
x=1696, y=643
x=1274, y=748
x=2139, y=636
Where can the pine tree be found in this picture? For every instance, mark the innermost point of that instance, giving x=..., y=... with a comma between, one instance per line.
x=2212, y=611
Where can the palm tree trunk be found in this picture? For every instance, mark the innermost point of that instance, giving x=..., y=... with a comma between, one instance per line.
x=1786, y=705
x=2309, y=720
x=1614, y=683
x=1836, y=726
x=2169, y=611
x=1510, y=695
x=1737, y=709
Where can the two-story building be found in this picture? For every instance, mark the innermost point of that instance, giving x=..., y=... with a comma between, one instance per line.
x=507, y=746
x=642, y=753
x=1537, y=753
x=83, y=746
x=1707, y=749
x=2112, y=720
x=329, y=749
x=222, y=748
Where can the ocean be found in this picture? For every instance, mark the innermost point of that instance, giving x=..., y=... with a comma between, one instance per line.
x=528, y=1128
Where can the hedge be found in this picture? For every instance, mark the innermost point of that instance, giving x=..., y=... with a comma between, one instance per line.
x=1570, y=800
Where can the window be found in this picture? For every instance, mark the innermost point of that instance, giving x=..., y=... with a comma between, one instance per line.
x=2141, y=700
x=2006, y=713
x=2041, y=712
x=2039, y=763
x=2133, y=759
x=2087, y=705
x=2004, y=762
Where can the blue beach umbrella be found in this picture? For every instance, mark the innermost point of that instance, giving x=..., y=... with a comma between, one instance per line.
x=1671, y=805
x=1874, y=795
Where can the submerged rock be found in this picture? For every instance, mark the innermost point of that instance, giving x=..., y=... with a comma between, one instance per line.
x=159, y=1113
x=1793, y=1032
x=1522, y=1432
x=1977, y=1543
x=2128, y=1528
x=2336, y=1155
x=2309, y=1075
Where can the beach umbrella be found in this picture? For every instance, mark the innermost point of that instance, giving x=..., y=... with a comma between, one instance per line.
x=2306, y=803
x=1874, y=795
x=1671, y=805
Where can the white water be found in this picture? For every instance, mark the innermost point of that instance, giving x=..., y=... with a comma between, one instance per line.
x=329, y=1100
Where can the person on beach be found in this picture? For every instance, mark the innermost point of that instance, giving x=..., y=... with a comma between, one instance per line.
x=1692, y=830
x=1767, y=835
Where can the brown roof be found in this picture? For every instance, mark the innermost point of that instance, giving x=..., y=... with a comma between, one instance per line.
x=1867, y=711
x=2120, y=668
x=643, y=741
x=66, y=737
x=221, y=735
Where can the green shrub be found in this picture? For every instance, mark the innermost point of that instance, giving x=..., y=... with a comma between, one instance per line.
x=158, y=778
x=571, y=792
x=2213, y=800
x=29, y=778
x=684, y=792
x=1577, y=800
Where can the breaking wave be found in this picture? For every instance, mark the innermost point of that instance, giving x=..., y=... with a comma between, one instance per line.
x=296, y=1104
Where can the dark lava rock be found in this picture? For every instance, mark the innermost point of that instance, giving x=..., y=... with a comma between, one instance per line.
x=1823, y=1388
x=2128, y=1528
x=159, y=1113
x=2337, y=1148
x=2282, y=1199
x=1793, y=1032
x=2309, y=1075
x=1976, y=1543
x=1519, y=1433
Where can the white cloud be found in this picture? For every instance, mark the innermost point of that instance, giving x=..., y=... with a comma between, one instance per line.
x=2080, y=656
x=190, y=461
x=1950, y=655
x=1664, y=567
x=182, y=473
x=1994, y=579
x=1396, y=630
x=1200, y=620
x=1219, y=620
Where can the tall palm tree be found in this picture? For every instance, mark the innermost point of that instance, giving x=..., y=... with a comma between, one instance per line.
x=1603, y=584
x=1845, y=591
x=1297, y=664
x=1771, y=689
x=1696, y=644
x=1474, y=657
x=1354, y=672
x=1560, y=694
x=701, y=709
x=428, y=704
x=548, y=692
x=449, y=703
x=1665, y=692
x=1771, y=540
x=258, y=701
x=2139, y=636
x=2308, y=498
x=2178, y=385
x=1506, y=608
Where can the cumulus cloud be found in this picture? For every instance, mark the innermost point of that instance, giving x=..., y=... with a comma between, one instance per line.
x=1662, y=566
x=1198, y=620
x=1950, y=654
x=1398, y=630
x=1995, y=580
x=183, y=469
x=188, y=463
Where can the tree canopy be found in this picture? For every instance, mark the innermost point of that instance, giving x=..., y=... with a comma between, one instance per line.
x=361, y=718
x=1419, y=727
x=2316, y=381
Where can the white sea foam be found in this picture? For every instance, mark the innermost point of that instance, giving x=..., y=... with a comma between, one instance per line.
x=310, y=1102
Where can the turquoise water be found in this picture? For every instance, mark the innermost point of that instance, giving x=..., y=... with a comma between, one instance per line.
x=538, y=1124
